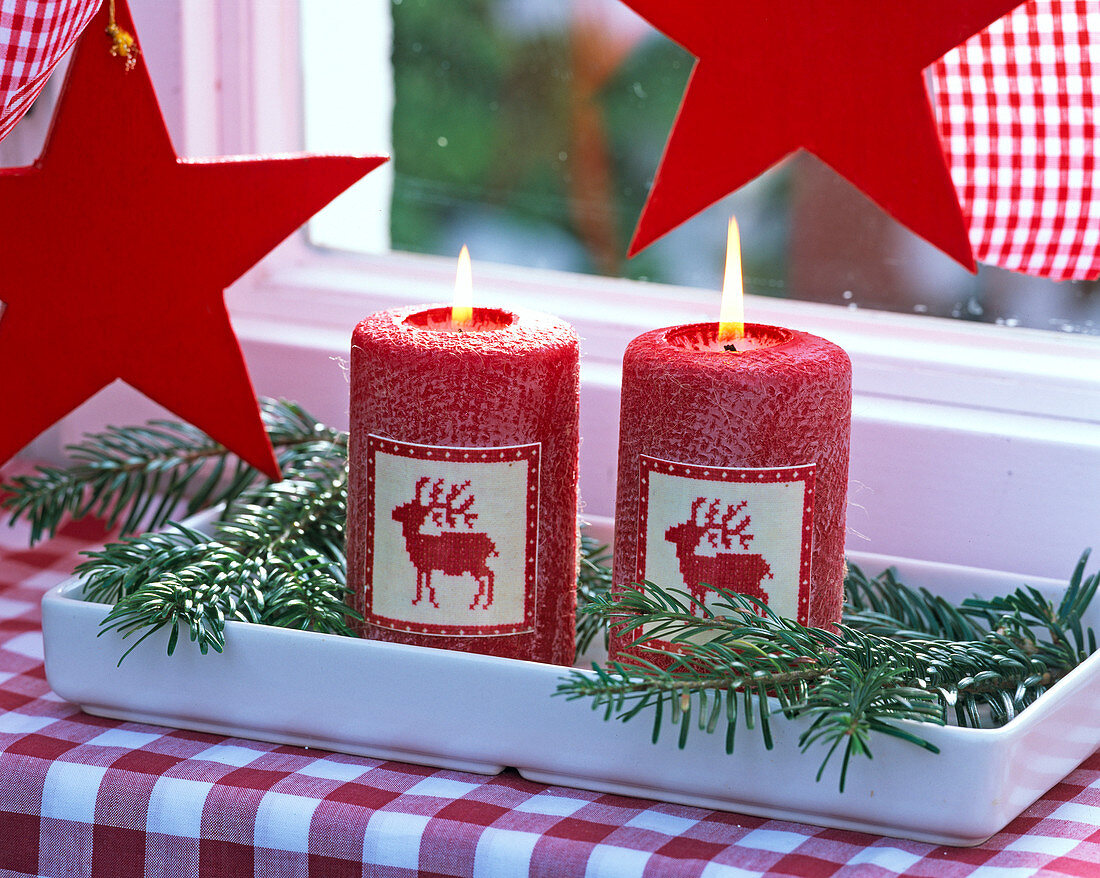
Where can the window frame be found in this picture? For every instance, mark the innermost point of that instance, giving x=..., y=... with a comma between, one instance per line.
x=964, y=435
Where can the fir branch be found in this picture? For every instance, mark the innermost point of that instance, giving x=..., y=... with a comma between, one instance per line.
x=139, y=477
x=593, y=584
x=989, y=656
x=903, y=654
x=276, y=554
x=854, y=702
x=275, y=557
x=1022, y=615
x=119, y=569
x=750, y=655
x=210, y=583
x=199, y=598
x=292, y=514
x=311, y=597
x=887, y=607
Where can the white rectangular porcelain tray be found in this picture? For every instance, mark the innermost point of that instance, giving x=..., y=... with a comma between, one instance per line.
x=481, y=714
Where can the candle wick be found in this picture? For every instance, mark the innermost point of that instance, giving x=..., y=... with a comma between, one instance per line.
x=730, y=347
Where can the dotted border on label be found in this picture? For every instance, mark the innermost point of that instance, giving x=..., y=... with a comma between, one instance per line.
x=806, y=473
x=459, y=454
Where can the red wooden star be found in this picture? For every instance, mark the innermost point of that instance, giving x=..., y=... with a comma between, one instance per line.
x=840, y=78
x=115, y=254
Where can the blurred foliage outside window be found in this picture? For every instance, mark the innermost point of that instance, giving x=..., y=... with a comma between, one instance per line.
x=531, y=129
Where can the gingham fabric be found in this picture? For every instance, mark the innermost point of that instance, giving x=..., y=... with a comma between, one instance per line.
x=1016, y=106
x=34, y=35
x=84, y=796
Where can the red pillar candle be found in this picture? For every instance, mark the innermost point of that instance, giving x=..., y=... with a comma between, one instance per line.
x=462, y=504
x=733, y=467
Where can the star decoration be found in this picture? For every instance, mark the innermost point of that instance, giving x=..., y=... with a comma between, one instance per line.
x=116, y=255
x=842, y=79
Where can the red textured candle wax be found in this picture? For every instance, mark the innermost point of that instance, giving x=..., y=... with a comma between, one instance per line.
x=733, y=467
x=462, y=504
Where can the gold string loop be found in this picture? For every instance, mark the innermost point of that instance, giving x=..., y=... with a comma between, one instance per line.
x=122, y=42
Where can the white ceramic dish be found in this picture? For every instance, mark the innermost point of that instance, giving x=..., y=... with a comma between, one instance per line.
x=480, y=714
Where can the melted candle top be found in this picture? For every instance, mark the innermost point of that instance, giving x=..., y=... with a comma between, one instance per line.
x=703, y=338
x=440, y=320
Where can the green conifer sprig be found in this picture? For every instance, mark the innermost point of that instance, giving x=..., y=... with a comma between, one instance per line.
x=593, y=583
x=121, y=568
x=902, y=654
x=140, y=477
x=217, y=586
x=275, y=557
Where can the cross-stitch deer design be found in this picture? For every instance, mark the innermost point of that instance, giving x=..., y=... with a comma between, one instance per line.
x=450, y=551
x=737, y=571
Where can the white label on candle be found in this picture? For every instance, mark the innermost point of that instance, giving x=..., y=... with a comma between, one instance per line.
x=452, y=538
x=748, y=531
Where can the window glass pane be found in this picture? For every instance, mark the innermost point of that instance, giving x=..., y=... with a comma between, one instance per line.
x=531, y=131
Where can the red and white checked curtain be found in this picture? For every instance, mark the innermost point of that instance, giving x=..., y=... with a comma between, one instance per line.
x=34, y=35
x=1017, y=110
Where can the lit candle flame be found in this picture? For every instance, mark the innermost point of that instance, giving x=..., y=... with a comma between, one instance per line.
x=462, y=312
x=731, y=321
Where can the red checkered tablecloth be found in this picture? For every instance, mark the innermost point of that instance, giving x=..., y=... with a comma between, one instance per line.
x=85, y=796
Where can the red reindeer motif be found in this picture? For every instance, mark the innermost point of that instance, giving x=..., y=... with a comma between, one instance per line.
x=737, y=571
x=452, y=551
